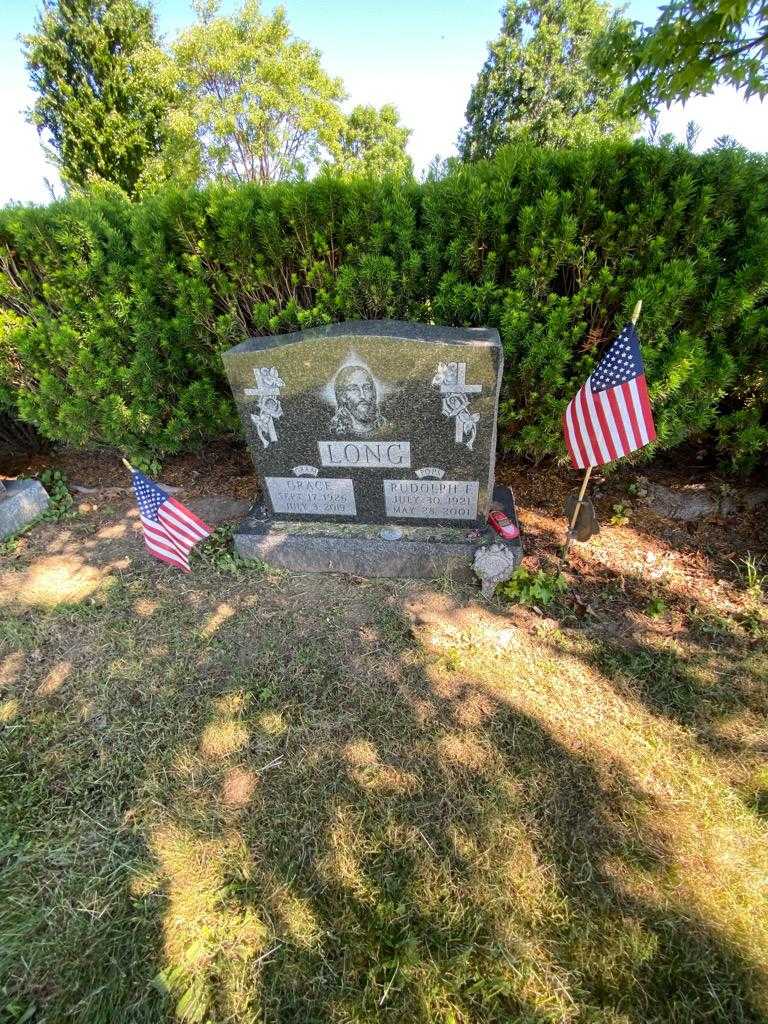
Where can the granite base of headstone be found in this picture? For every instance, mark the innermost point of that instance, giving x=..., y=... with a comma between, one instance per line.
x=374, y=442
x=362, y=549
x=21, y=502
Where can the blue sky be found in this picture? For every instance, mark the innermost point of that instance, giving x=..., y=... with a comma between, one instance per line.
x=421, y=55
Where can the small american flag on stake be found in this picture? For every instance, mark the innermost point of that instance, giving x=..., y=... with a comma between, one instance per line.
x=170, y=529
x=611, y=415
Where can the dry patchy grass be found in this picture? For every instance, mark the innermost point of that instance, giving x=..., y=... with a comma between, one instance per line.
x=263, y=798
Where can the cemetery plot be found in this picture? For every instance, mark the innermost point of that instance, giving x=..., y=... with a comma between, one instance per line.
x=381, y=424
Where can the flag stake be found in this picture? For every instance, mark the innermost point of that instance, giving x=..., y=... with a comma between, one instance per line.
x=127, y=464
x=580, y=500
x=575, y=516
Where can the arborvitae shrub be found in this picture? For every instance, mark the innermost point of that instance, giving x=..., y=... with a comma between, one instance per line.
x=113, y=314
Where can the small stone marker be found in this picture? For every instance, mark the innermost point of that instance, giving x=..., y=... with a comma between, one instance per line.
x=494, y=564
x=374, y=442
x=21, y=501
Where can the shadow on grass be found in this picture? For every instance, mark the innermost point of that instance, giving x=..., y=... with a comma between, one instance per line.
x=427, y=851
x=298, y=813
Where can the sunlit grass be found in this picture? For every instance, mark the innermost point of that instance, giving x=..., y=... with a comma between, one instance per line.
x=373, y=802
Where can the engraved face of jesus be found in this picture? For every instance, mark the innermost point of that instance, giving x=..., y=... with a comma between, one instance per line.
x=356, y=391
x=357, y=403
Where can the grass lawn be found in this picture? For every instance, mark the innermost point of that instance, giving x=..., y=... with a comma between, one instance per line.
x=256, y=797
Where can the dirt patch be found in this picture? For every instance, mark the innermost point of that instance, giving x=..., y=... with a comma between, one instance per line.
x=221, y=468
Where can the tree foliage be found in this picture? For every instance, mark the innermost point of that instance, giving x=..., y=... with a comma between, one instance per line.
x=694, y=45
x=256, y=102
x=539, y=80
x=98, y=106
x=114, y=314
x=373, y=143
x=234, y=97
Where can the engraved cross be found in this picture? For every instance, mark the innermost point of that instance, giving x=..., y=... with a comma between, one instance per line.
x=457, y=384
x=265, y=388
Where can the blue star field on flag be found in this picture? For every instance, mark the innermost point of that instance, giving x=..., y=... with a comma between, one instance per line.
x=621, y=363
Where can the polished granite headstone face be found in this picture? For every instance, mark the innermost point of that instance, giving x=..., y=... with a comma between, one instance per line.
x=372, y=422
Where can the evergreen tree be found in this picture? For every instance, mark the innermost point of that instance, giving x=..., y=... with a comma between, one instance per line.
x=539, y=81
x=98, y=103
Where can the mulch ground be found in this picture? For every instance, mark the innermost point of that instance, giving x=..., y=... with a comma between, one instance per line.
x=656, y=554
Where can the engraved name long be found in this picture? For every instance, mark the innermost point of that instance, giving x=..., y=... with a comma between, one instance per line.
x=366, y=454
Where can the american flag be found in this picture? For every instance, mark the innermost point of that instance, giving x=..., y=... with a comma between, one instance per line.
x=611, y=414
x=170, y=529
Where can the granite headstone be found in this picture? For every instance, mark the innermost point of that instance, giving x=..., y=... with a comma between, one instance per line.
x=21, y=502
x=374, y=442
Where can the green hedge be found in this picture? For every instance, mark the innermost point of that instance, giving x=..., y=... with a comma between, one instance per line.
x=113, y=315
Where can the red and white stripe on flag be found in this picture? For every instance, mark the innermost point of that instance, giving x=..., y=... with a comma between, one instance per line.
x=601, y=426
x=174, y=534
